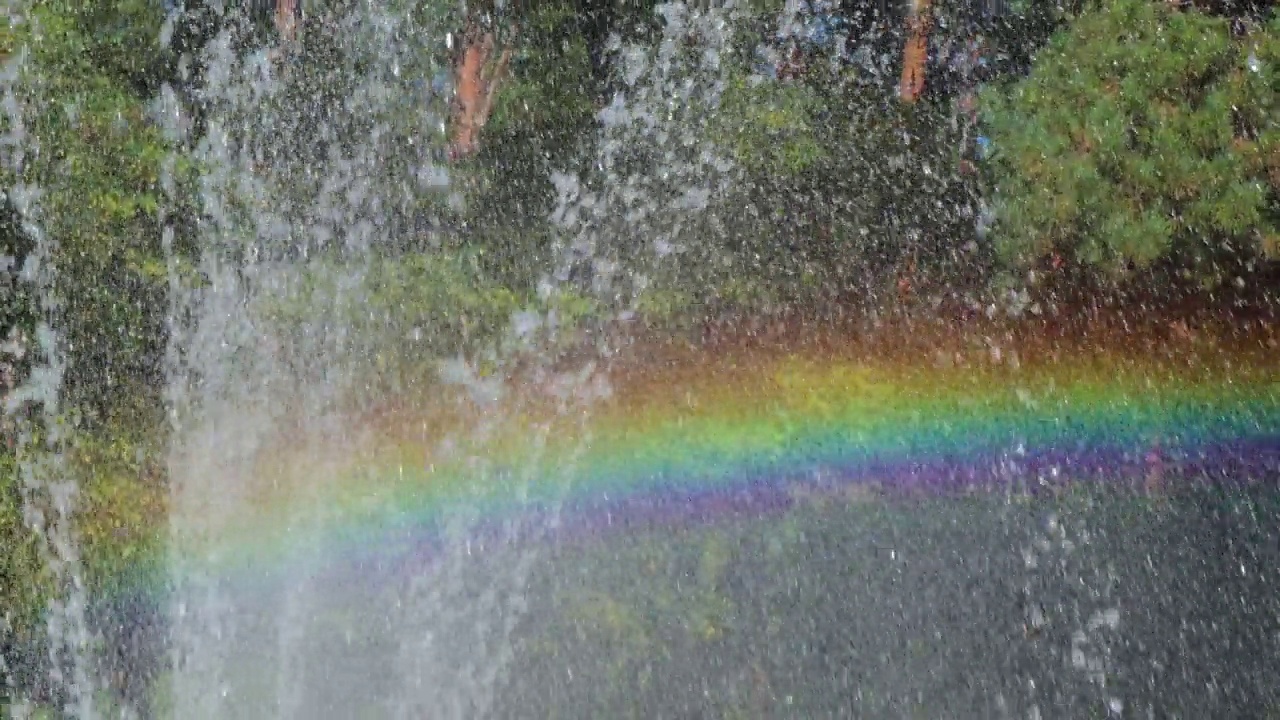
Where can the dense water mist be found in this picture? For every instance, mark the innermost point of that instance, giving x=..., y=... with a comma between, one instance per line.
x=294, y=186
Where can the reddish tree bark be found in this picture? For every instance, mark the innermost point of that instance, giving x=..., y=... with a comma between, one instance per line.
x=476, y=82
x=915, y=53
x=286, y=19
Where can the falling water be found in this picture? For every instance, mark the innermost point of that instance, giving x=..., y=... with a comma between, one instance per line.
x=276, y=210
x=49, y=493
x=295, y=187
x=658, y=167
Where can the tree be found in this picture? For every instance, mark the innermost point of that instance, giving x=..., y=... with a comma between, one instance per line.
x=1144, y=138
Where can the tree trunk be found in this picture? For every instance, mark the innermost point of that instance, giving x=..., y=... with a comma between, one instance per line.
x=915, y=53
x=476, y=84
x=286, y=19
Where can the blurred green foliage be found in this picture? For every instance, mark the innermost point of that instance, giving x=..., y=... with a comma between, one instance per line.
x=410, y=311
x=1144, y=136
x=24, y=586
x=119, y=521
x=88, y=175
x=95, y=157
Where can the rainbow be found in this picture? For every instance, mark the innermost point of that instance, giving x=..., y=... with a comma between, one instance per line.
x=698, y=435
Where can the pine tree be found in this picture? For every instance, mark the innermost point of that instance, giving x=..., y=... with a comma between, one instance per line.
x=1145, y=137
